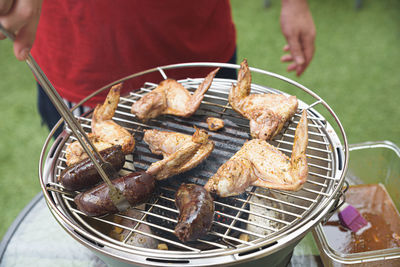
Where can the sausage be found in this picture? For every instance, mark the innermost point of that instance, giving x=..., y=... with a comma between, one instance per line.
x=196, y=212
x=136, y=187
x=84, y=174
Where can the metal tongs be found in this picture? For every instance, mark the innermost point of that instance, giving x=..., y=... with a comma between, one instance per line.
x=104, y=168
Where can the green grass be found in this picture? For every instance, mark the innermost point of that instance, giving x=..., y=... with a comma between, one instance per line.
x=355, y=70
x=21, y=137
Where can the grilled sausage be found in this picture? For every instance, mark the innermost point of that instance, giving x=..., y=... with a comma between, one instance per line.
x=196, y=212
x=84, y=174
x=136, y=187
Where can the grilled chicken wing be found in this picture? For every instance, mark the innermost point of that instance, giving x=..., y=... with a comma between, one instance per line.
x=261, y=164
x=181, y=152
x=74, y=152
x=267, y=112
x=170, y=97
x=105, y=132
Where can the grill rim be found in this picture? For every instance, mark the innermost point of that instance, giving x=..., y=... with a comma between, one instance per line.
x=312, y=217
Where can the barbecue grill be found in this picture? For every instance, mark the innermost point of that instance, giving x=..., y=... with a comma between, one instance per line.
x=260, y=224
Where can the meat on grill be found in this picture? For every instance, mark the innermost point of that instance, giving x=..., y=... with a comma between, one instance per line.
x=136, y=187
x=170, y=97
x=74, y=153
x=84, y=174
x=181, y=152
x=196, y=212
x=105, y=132
x=214, y=124
x=261, y=164
x=267, y=112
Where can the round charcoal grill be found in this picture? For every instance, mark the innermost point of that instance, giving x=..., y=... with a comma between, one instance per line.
x=258, y=224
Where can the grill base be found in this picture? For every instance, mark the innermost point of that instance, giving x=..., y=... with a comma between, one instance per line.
x=278, y=259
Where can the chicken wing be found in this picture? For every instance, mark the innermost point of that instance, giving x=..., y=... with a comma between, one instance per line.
x=105, y=132
x=267, y=112
x=261, y=164
x=181, y=152
x=75, y=153
x=170, y=97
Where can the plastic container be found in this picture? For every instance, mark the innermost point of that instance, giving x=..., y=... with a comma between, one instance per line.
x=369, y=163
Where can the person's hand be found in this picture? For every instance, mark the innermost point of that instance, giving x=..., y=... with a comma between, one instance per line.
x=21, y=18
x=299, y=30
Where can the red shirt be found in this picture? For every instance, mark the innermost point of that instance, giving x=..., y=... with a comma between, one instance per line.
x=84, y=45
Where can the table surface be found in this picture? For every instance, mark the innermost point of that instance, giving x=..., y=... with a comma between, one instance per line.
x=36, y=239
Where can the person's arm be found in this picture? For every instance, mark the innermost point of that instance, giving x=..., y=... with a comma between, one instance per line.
x=20, y=17
x=299, y=30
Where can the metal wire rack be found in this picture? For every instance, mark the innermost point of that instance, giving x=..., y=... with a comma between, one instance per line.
x=256, y=222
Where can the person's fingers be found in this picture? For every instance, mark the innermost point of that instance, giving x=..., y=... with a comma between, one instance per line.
x=300, y=69
x=19, y=16
x=292, y=67
x=296, y=52
x=287, y=58
x=296, y=49
x=24, y=41
x=286, y=48
x=22, y=20
x=308, y=51
x=308, y=48
x=5, y=6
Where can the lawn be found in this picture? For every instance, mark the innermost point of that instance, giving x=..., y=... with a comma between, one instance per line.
x=355, y=70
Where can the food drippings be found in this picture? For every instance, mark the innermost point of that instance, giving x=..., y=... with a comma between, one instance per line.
x=383, y=229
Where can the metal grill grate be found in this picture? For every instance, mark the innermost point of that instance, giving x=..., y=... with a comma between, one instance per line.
x=263, y=215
